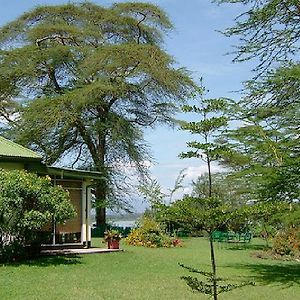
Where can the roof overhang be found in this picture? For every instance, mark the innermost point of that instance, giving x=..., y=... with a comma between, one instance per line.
x=66, y=173
x=19, y=159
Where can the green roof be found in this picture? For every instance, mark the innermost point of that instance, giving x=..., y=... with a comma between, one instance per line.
x=73, y=173
x=9, y=150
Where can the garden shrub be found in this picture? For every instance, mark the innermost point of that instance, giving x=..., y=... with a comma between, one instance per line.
x=12, y=251
x=27, y=203
x=149, y=233
x=287, y=242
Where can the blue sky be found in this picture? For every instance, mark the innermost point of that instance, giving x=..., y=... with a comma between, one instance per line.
x=196, y=45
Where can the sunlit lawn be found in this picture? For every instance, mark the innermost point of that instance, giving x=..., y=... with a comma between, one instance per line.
x=139, y=273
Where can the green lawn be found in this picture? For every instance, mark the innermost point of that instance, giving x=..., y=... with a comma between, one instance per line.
x=141, y=273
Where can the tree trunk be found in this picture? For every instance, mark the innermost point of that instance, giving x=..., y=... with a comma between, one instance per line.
x=97, y=151
x=97, y=148
x=211, y=242
x=100, y=216
x=100, y=199
x=101, y=188
x=213, y=267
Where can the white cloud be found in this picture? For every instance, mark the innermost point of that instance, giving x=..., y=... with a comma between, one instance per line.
x=129, y=166
x=194, y=172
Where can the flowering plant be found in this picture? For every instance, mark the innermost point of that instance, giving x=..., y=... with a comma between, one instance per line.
x=177, y=243
x=110, y=235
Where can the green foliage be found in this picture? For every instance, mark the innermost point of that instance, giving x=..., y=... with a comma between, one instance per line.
x=209, y=212
x=151, y=190
x=27, y=203
x=265, y=150
x=89, y=79
x=268, y=30
x=149, y=233
x=284, y=182
x=215, y=213
x=278, y=89
x=213, y=120
x=194, y=213
x=232, y=190
x=212, y=113
x=264, y=155
x=266, y=147
x=264, y=218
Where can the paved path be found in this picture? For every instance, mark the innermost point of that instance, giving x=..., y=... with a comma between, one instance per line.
x=78, y=251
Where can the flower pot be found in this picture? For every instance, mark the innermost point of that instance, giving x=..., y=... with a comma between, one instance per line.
x=113, y=244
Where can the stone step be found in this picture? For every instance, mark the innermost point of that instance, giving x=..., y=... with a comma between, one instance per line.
x=62, y=246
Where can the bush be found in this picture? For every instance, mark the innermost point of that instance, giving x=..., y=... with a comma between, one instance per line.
x=12, y=252
x=287, y=242
x=150, y=234
x=27, y=203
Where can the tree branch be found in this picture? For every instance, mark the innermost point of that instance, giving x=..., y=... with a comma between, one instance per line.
x=56, y=37
x=78, y=155
x=139, y=28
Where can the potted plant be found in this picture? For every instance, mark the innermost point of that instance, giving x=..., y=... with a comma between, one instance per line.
x=112, y=237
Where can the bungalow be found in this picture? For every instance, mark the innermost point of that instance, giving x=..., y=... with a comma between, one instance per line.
x=78, y=182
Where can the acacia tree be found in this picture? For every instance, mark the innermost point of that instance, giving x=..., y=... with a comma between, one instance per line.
x=269, y=34
x=89, y=78
x=269, y=30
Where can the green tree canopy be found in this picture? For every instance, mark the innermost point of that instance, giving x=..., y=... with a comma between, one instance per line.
x=89, y=78
x=266, y=147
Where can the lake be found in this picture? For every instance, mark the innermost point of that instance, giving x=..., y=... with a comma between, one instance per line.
x=123, y=223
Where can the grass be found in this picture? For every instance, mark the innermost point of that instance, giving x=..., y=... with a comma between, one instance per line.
x=142, y=273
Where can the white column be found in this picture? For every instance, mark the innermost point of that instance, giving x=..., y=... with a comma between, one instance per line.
x=89, y=219
x=83, y=214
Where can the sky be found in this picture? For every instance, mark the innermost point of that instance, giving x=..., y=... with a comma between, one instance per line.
x=197, y=45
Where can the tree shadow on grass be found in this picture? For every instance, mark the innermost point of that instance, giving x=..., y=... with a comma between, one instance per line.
x=46, y=261
x=235, y=247
x=286, y=274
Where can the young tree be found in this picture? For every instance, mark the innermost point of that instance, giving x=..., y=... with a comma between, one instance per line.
x=90, y=79
x=213, y=121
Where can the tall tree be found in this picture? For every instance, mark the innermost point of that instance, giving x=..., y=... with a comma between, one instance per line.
x=89, y=78
x=269, y=34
